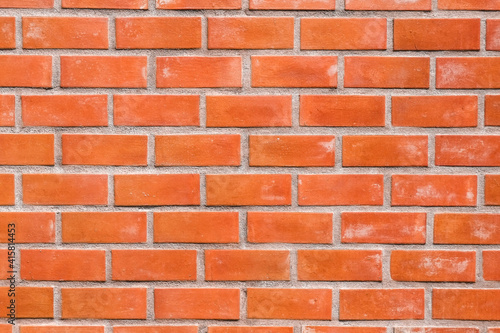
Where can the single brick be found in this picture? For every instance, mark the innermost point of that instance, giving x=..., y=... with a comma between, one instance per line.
x=249, y=329
x=469, y=4
x=158, y=32
x=249, y=190
x=198, y=4
x=5, y=264
x=343, y=33
x=7, y=195
x=491, y=265
x=388, y=5
x=294, y=71
x=155, y=329
x=197, y=303
x=246, y=265
x=292, y=5
x=468, y=150
x=30, y=227
x=492, y=110
x=27, y=4
x=8, y=29
x=31, y=302
x=196, y=227
x=435, y=330
x=387, y=72
x=466, y=304
x=342, y=111
x=26, y=149
x=468, y=73
x=8, y=110
x=292, y=150
x=61, y=329
x=343, y=329
x=434, y=190
x=106, y=4
x=157, y=190
x=383, y=228
x=65, y=33
x=249, y=111
x=466, y=228
x=493, y=35
x=339, y=265
x=33, y=71
x=492, y=190
x=341, y=190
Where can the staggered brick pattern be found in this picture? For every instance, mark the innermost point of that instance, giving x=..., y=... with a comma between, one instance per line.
x=251, y=166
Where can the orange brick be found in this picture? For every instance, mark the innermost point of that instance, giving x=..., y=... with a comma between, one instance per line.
x=466, y=228
x=381, y=304
x=468, y=150
x=249, y=329
x=249, y=111
x=156, y=110
x=267, y=303
x=6, y=262
x=249, y=190
x=198, y=72
x=341, y=190
x=292, y=5
x=469, y=4
x=196, y=227
x=493, y=35
x=250, y=32
x=31, y=302
x=492, y=110
x=197, y=303
x=339, y=265
x=383, y=228
x=466, y=304
x=6, y=328
x=292, y=150
x=63, y=265
x=104, y=227
x=157, y=190
x=342, y=111
x=433, y=266
x=491, y=265
x=468, y=73
x=434, y=190
x=198, y=150
x=83, y=149
x=435, y=111
x=103, y=71
x=61, y=329
x=435, y=330
x=386, y=72
x=158, y=32
x=294, y=71
x=65, y=33
x=34, y=71
x=343, y=329
x=155, y=329
x=388, y=5
x=7, y=195
x=384, y=150
x=30, y=227
x=198, y=4
x=343, y=33
x=106, y=4
x=246, y=265
x=27, y=4
x=26, y=149
x=289, y=227
x=7, y=110
x=153, y=265
x=492, y=190
x=437, y=34
x=65, y=189
x=107, y=303
x=8, y=28
x=65, y=110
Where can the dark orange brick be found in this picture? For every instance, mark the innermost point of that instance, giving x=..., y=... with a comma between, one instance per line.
x=343, y=329
x=155, y=329
x=27, y=4
x=468, y=150
x=492, y=110
x=388, y=5
x=30, y=227
x=8, y=29
x=469, y=4
x=466, y=228
x=198, y=4
x=492, y=190
x=491, y=265
x=31, y=302
x=292, y=5
x=435, y=330
x=106, y=4
x=26, y=149
x=468, y=73
x=34, y=71
x=7, y=110
x=61, y=329
x=493, y=35
x=249, y=329
x=7, y=195
x=466, y=304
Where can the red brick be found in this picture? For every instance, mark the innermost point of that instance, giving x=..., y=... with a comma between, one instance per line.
x=386, y=72
x=491, y=265
x=196, y=227
x=7, y=110
x=342, y=111
x=158, y=32
x=384, y=150
x=249, y=190
x=104, y=227
x=343, y=33
x=466, y=228
x=312, y=304
x=250, y=32
x=339, y=265
x=26, y=149
x=156, y=110
x=469, y=4
x=197, y=303
x=388, y=5
x=34, y=71
x=435, y=330
x=106, y=303
x=246, y=265
x=434, y=190
x=61, y=329
x=63, y=265
x=292, y=150
x=381, y=304
x=249, y=111
x=153, y=265
x=65, y=110
x=65, y=189
x=87, y=149
x=198, y=72
x=31, y=302
x=106, y=4
x=103, y=71
x=30, y=227
x=435, y=111
x=249, y=329
x=198, y=4
x=155, y=329
x=292, y=5
x=466, y=304
x=468, y=73
x=468, y=150
x=341, y=190
x=8, y=28
x=437, y=34
x=198, y=150
x=65, y=33
x=492, y=190
x=343, y=329
x=383, y=228
x=289, y=227
x=433, y=266
x=493, y=35
x=157, y=190
x=7, y=195
x=492, y=110
x=27, y=4
x=294, y=71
